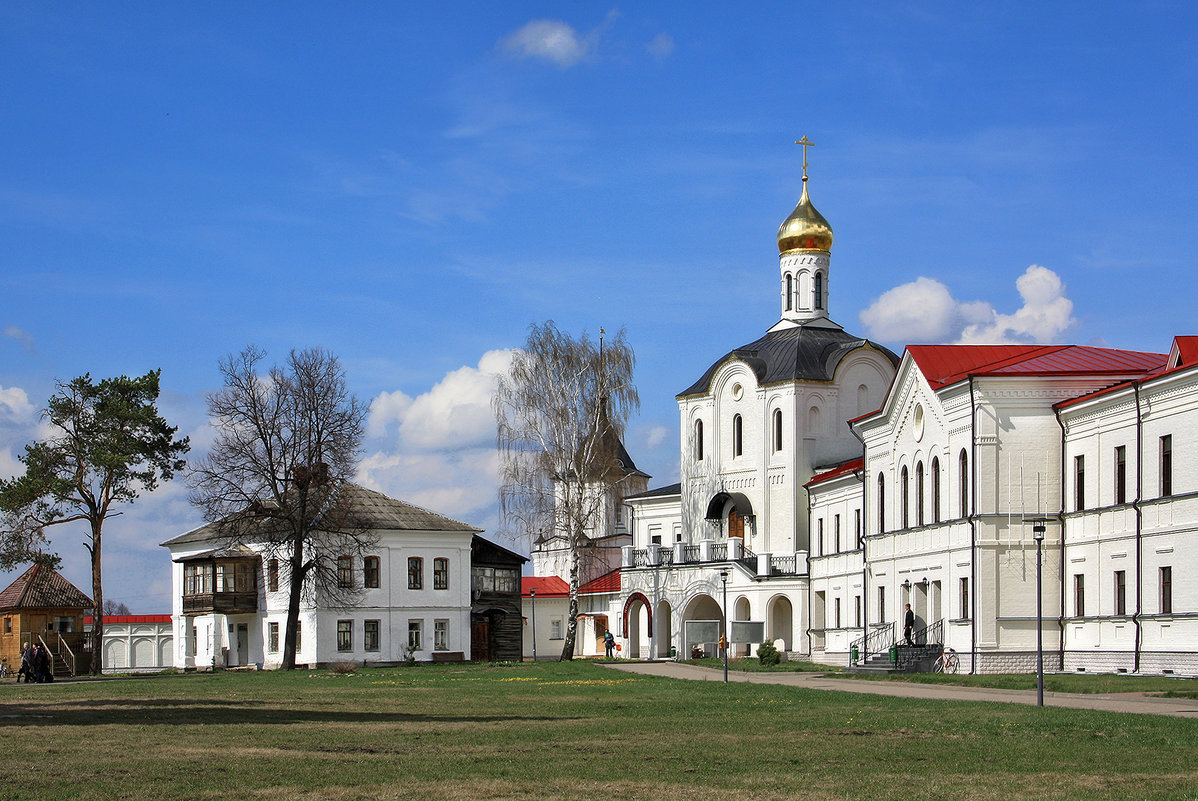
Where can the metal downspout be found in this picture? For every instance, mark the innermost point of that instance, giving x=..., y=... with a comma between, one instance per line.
x=973, y=532
x=1061, y=527
x=810, y=647
x=1139, y=526
x=865, y=586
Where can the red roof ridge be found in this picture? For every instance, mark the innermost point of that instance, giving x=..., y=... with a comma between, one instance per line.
x=851, y=466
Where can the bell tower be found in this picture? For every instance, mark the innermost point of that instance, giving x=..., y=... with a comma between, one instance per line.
x=805, y=252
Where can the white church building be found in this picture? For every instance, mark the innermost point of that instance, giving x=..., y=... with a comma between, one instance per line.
x=826, y=482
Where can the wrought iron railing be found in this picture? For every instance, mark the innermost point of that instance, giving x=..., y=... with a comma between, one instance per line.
x=933, y=634
x=690, y=553
x=748, y=559
x=640, y=557
x=665, y=556
x=784, y=565
x=877, y=641
x=718, y=552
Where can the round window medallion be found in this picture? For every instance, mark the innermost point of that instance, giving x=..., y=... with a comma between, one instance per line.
x=918, y=423
x=737, y=391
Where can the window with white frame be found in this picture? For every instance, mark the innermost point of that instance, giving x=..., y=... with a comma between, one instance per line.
x=415, y=635
x=440, y=635
x=370, y=635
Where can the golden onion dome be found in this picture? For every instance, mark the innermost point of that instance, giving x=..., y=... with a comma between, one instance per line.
x=805, y=228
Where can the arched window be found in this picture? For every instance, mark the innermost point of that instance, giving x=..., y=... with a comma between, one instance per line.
x=790, y=292
x=819, y=290
x=881, y=503
x=863, y=400
x=698, y=440
x=905, y=500
x=737, y=439
x=777, y=429
x=935, y=489
x=813, y=426
x=919, y=493
x=963, y=480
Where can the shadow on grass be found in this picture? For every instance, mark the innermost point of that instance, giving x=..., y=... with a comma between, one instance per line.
x=175, y=711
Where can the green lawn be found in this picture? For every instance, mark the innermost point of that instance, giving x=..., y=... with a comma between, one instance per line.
x=563, y=731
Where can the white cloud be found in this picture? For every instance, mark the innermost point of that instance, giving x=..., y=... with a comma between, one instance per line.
x=657, y=435
x=24, y=337
x=661, y=46
x=925, y=311
x=15, y=406
x=387, y=409
x=455, y=413
x=548, y=39
x=460, y=483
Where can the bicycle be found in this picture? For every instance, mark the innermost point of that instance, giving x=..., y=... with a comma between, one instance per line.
x=947, y=662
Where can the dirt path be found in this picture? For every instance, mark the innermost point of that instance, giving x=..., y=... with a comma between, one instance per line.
x=1114, y=702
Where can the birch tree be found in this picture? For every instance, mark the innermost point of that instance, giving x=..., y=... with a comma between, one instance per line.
x=560, y=412
x=287, y=441
x=107, y=444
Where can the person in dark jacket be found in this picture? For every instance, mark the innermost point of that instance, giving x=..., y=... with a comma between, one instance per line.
x=909, y=626
x=26, y=668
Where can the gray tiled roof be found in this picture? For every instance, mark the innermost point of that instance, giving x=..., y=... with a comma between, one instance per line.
x=660, y=492
x=369, y=510
x=802, y=353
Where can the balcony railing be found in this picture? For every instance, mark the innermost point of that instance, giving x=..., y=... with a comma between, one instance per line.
x=784, y=565
x=230, y=603
x=690, y=554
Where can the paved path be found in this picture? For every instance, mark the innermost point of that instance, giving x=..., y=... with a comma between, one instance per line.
x=1177, y=707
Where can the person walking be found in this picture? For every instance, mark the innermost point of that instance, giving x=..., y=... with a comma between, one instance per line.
x=609, y=645
x=909, y=626
x=26, y=668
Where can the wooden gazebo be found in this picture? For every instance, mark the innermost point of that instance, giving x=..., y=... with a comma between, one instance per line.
x=43, y=607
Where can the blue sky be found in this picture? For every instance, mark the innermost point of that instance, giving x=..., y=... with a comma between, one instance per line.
x=410, y=186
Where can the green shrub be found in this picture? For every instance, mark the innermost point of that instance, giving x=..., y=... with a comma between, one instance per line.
x=768, y=654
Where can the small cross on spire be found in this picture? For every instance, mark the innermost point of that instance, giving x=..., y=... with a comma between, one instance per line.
x=806, y=143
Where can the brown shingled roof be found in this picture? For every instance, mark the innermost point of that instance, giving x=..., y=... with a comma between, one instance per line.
x=43, y=587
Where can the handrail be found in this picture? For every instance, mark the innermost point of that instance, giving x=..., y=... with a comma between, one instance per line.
x=933, y=633
x=876, y=642
x=62, y=643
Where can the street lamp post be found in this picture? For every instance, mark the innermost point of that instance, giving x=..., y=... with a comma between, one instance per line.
x=532, y=595
x=1038, y=529
x=724, y=615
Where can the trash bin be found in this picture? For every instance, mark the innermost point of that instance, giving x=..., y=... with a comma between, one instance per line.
x=894, y=653
x=673, y=652
x=853, y=654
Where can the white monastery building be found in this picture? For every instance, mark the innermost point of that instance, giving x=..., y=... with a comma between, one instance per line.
x=826, y=483
x=418, y=595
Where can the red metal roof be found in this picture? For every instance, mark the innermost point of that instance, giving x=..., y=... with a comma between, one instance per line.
x=546, y=586
x=1184, y=352
x=836, y=472
x=609, y=582
x=87, y=620
x=942, y=365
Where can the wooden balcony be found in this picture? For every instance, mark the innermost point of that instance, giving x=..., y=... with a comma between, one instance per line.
x=226, y=603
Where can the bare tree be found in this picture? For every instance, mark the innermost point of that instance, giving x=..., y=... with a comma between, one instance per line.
x=107, y=444
x=112, y=607
x=560, y=412
x=286, y=442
